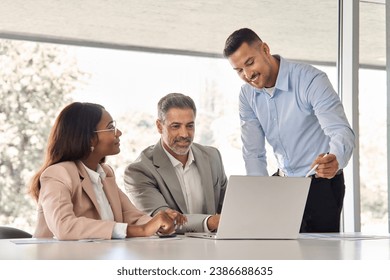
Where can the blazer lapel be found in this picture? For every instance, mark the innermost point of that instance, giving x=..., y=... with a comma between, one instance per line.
x=110, y=189
x=168, y=174
x=87, y=186
x=202, y=161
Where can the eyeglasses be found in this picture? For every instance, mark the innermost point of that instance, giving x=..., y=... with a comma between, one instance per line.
x=112, y=128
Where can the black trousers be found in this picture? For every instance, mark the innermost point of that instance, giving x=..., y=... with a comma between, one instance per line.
x=324, y=204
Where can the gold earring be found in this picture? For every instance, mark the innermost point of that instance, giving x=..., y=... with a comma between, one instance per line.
x=92, y=148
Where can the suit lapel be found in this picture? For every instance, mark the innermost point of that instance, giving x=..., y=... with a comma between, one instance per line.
x=168, y=174
x=202, y=161
x=87, y=186
x=111, y=191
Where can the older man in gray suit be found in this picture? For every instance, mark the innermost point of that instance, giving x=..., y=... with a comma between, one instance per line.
x=177, y=173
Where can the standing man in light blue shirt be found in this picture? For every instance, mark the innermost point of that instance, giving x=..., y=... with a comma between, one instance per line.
x=294, y=108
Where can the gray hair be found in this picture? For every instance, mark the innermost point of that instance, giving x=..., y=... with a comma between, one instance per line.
x=174, y=100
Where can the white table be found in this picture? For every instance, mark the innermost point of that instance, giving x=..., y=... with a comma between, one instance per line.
x=307, y=247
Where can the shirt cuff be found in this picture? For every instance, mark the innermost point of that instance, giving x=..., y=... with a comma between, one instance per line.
x=205, y=227
x=119, y=231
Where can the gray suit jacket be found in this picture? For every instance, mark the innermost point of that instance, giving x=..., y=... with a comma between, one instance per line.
x=152, y=184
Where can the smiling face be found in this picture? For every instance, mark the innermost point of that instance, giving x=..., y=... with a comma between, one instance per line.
x=107, y=141
x=177, y=131
x=255, y=65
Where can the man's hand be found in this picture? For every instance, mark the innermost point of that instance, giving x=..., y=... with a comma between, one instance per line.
x=213, y=222
x=327, y=166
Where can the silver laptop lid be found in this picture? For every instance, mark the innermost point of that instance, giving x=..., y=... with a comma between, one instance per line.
x=263, y=207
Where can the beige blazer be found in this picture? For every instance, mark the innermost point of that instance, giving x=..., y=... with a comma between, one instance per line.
x=152, y=184
x=68, y=209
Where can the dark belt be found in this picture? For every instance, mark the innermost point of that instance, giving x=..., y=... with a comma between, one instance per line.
x=339, y=172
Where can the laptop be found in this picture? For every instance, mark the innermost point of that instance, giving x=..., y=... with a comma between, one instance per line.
x=257, y=207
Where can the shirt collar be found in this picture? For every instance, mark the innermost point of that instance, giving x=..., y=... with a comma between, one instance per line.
x=94, y=175
x=175, y=162
x=282, y=81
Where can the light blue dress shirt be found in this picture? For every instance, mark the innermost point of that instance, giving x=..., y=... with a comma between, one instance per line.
x=303, y=118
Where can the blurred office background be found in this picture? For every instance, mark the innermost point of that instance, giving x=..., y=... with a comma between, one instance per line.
x=125, y=55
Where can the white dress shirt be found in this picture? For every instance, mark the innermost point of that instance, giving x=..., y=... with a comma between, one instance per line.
x=190, y=182
x=96, y=177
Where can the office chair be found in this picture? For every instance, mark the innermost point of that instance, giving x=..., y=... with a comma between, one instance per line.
x=10, y=232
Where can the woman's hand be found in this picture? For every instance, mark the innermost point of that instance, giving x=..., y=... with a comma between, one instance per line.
x=164, y=222
x=160, y=223
x=178, y=218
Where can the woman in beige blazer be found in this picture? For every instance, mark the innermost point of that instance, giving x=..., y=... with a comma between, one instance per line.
x=76, y=191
